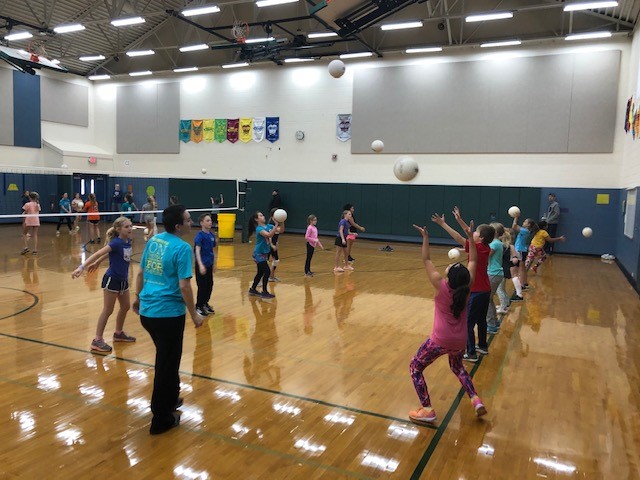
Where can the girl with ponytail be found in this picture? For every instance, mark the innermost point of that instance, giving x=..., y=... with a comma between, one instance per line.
x=449, y=335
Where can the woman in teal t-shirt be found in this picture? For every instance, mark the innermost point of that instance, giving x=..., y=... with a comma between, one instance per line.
x=264, y=233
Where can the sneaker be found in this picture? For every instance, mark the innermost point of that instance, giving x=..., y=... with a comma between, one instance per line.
x=348, y=267
x=57, y=233
x=502, y=311
x=179, y=403
x=209, y=309
x=423, y=415
x=35, y=252
x=157, y=430
x=78, y=228
x=24, y=251
x=525, y=286
x=335, y=270
x=267, y=295
x=98, y=240
x=91, y=241
x=478, y=406
x=484, y=351
x=254, y=292
x=492, y=329
x=308, y=274
x=100, y=346
x=470, y=358
x=516, y=298
x=123, y=337
x=201, y=311
x=351, y=259
x=274, y=279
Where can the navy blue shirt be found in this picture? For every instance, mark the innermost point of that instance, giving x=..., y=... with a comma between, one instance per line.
x=206, y=242
x=119, y=258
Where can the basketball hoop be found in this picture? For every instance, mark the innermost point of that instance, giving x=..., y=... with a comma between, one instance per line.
x=240, y=30
x=36, y=50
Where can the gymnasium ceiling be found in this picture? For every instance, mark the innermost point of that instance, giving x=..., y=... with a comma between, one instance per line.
x=357, y=21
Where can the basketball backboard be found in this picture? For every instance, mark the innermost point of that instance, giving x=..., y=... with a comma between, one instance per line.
x=25, y=62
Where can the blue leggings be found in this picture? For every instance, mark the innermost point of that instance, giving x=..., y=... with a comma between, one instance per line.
x=426, y=355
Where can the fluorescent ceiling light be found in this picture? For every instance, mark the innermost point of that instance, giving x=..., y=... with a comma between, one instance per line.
x=588, y=5
x=18, y=36
x=123, y=22
x=193, y=48
x=186, y=69
x=506, y=43
x=482, y=17
x=98, y=77
x=587, y=36
x=235, y=65
x=401, y=26
x=55, y=61
x=356, y=55
x=269, y=3
x=192, y=12
x=259, y=40
x=140, y=74
x=92, y=58
x=322, y=34
x=423, y=50
x=140, y=53
x=298, y=60
x=76, y=27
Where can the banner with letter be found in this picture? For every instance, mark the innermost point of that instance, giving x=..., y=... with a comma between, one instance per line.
x=273, y=129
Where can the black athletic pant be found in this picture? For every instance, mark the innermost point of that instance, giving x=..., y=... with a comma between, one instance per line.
x=263, y=274
x=166, y=334
x=61, y=220
x=477, y=305
x=205, y=286
x=307, y=264
x=552, y=229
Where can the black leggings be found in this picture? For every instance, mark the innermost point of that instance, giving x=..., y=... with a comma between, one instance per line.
x=61, y=220
x=263, y=273
x=205, y=286
x=307, y=264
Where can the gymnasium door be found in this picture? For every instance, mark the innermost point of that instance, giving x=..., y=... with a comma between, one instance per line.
x=85, y=184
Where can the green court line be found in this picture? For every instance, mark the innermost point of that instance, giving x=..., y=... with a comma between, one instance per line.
x=36, y=300
x=223, y=381
x=422, y=464
x=200, y=431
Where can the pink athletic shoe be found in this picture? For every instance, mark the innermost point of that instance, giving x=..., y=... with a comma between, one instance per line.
x=423, y=415
x=480, y=409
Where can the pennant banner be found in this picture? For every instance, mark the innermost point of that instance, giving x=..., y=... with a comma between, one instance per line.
x=246, y=128
x=196, y=131
x=185, y=130
x=220, y=130
x=232, y=129
x=258, y=128
x=343, y=127
x=207, y=128
x=273, y=129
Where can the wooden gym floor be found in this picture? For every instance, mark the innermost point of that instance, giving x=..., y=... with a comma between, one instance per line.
x=315, y=384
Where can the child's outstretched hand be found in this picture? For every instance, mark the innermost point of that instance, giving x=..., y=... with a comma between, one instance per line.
x=422, y=230
x=562, y=238
x=469, y=229
x=456, y=213
x=435, y=218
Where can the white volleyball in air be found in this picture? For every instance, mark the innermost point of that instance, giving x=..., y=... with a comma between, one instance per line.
x=280, y=215
x=405, y=169
x=454, y=254
x=337, y=68
x=514, y=212
x=587, y=232
x=204, y=170
x=377, y=146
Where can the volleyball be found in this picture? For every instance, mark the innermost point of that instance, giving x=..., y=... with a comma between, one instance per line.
x=337, y=68
x=377, y=146
x=146, y=231
x=454, y=254
x=280, y=215
x=204, y=170
x=587, y=232
x=405, y=169
x=514, y=212
x=80, y=204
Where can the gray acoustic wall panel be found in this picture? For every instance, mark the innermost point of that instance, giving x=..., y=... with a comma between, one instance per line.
x=546, y=104
x=148, y=118
x=64, y=102
x=6, y=106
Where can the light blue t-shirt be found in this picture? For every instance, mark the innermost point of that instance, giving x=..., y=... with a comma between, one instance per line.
x=166, y=260
x=65, y=203
x=495, y=259
x=262, y=245
x=522, y=240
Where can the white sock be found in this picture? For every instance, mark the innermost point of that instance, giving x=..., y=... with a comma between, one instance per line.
x=518, y=285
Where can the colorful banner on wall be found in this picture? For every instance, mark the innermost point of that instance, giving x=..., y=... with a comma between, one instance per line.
x=343, y=127
x=196, y=131
x=185, y=131
x=273, y=129
x=220, y=130
x=259, y=128
x=207, y=129
x=232, y=129
x=245, y=129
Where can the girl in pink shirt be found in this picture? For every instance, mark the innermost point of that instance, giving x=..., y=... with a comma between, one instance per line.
x=311, y=236
x=31, y=223
x=449, y=335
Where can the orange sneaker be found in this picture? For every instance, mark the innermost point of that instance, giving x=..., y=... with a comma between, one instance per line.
x=423, y=415
x=478, y=406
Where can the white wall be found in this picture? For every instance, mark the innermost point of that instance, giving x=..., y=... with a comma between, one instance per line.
x=630, y=169
x=306, y=98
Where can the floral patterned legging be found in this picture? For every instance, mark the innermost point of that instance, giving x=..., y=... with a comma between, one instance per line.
x=533, y=253
x=426, y=355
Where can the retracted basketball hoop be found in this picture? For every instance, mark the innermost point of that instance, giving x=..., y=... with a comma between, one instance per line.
x=240, y=30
